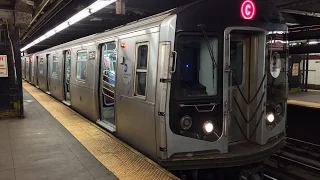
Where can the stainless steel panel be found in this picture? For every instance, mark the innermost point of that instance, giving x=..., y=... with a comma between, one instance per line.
x=167, y=37
x=42, y=78
x=56, y=81
x=33, y=69
x=36, y=70
x=135, y=116
x=83, y=92
x=28, y=69
x=83, y=101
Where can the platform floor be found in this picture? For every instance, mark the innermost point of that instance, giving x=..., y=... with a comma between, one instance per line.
x=307, y=99
x=54, y=142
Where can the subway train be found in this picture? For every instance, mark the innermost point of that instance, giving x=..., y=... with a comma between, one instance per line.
x=192, y=88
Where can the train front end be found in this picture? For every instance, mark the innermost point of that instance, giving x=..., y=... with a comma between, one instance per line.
x=226, y=100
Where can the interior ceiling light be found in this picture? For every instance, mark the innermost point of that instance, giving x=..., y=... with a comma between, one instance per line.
x=94, y=7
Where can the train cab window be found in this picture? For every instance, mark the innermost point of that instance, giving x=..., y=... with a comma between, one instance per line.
x=55, y=66
x=196, y=72
x=41, y=66
x=236, y=61
x=82, y=57
x=142, y=55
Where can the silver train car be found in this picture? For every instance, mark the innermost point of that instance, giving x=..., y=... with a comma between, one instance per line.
x=191, y=87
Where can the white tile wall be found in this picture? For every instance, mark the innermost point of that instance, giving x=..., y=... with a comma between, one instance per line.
x=314, y=72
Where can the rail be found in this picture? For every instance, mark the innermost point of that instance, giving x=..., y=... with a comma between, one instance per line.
x=294, y=162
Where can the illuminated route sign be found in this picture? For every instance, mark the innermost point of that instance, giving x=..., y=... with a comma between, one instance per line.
x=248, y=10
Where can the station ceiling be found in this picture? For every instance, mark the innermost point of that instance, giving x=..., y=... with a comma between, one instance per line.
x=47, y=14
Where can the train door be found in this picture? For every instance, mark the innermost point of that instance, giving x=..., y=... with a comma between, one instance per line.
x=67, y=76
x=37, y=72
x=32, y=70
x=247, y=78
x=107, y=85
x=29, y=69
x=48, y=73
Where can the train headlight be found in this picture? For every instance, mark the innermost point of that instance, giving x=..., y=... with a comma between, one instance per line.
x=208, y=127
x=278, y=110
x=270, y=118
x=186, y=122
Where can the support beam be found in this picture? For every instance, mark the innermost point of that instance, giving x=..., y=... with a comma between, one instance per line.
x=307, y=73
x=302, y=35
x=120, y=7
x=304, y=13
x=304, y=49
x=10, y=7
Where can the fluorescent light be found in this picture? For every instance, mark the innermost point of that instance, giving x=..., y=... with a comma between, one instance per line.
x=79, y=16
x=50, y=33
x=313, y=42
x=42, y=38
x=94, y=7
x=61, y=27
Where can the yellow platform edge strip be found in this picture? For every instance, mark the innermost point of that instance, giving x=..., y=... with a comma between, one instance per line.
x=118, y=157
x=304, y=103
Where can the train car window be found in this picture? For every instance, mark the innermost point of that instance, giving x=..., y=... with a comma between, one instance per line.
x=41, y=66
x=109, y=57
x=82, y=57
x=196, y=73
x=55, y=66
x=142, y=55
x=236, y=61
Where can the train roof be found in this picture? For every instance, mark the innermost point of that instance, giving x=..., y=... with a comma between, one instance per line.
x=147, y=22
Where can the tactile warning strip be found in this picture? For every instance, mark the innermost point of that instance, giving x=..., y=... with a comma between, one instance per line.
x=304, y=103
x=122, y=160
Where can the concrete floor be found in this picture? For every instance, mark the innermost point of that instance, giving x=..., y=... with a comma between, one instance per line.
x=39, y=147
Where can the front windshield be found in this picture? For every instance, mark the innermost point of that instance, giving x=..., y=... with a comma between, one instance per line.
x=196, y=73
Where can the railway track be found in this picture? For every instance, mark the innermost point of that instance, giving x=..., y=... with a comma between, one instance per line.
x=297, y=160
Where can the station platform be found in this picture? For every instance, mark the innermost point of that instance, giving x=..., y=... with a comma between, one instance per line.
x=303, y=116
x=307, y=99
x=54, y=142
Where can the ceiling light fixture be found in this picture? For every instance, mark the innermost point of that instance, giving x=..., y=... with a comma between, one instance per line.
x=94, y=7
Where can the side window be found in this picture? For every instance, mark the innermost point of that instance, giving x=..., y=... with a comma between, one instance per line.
x=55, y=66
x=41, y=66
x=109, y=62
x=236, y=61
x=142, y=57
x=82, y=57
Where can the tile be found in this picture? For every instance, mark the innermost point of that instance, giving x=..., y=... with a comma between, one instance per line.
x=61, y=170
x=36, y=156
x=96, y=169
x=7, y=175
x=29, y=132
x=107, y=178
x=6, y=161
x=4, y=132
x=36, y=141
x=27, y=123
x=5, y=145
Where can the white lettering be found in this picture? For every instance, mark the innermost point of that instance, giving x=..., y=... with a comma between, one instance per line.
x=248, y=10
